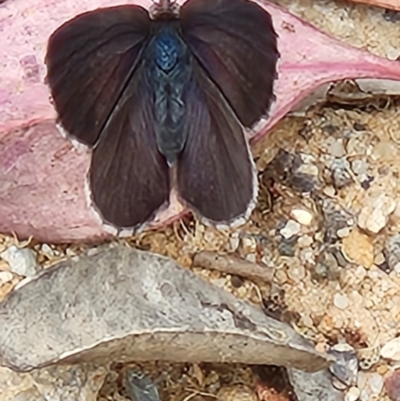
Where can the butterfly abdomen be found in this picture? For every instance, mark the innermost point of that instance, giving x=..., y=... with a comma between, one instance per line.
x=169, y=72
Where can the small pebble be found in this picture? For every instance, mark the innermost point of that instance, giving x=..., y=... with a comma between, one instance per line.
x=71, y=253
x=366, y=182
x=5, y=277
x=280, y=276
x=359, y=166
x=302, y=216
x=251, y=257
x=340, y=301
x=307, y=257
x=382, y=369
x=291, y=229
x=392, y=252
x=340, y=173
x=329, y=191
x=234, y=241
x=140, y=387
x=22, y=261
x=327, y=267
x=392, y=386
x=376, y=383
x=335, y=219
x=375, y=214
x=237, y=281
x=308, y=169
x=359, y=248
x=391, y=350
x=248, y=245
x=352, y=394
x=305, y=241
x=379, y=258
x=287, y=248
x=296, y=272
x=343, y=232
x=337, y=149
x=345, y=366
x=47, y=250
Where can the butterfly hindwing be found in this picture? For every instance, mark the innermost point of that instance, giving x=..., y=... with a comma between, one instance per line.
x=129, y=178
x=89, y=61
x=235, y=42
x=215, y=174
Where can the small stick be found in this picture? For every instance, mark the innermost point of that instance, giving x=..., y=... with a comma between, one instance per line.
x=233, y=265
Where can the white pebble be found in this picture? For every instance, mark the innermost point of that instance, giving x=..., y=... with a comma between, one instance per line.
x=280, y=277
x=365, y=395
x=379, y=258
x=309, y=169
x=47, y=250
x=391, y=350
x=305, y=241
x=302, y=216
x=296, y=272
x=376, y=383
x=251, y=257
x=352, y=394
x=329, y=191
x=307, y=256
x=22, y=261
x=340, y=301
x=69, y=252
x=307, y=158
x=337, y=149
x=359, y=166
x=343, y=232
x=5, y=277
x=234, y=241
x=291, y=228
x=360, y=273
x=375, y=214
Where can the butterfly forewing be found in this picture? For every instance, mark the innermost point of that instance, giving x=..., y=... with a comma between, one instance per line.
x=89, y=61
x=235, y=42
x=129, y=178
x=215, y=175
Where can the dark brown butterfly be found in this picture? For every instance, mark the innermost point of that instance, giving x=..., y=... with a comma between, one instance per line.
x=162, y=100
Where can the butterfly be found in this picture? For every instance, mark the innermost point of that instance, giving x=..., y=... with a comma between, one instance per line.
x=162, y=99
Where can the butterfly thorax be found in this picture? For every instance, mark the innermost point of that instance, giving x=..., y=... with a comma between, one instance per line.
x=168, y=48
x=169, y=70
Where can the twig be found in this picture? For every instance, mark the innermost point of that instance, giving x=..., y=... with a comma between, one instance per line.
x=233, y=265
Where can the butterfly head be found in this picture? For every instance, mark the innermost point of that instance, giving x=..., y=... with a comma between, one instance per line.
x=164, y=9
